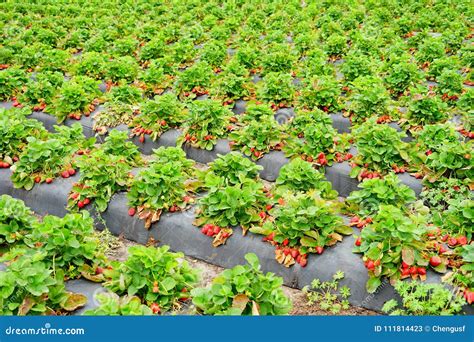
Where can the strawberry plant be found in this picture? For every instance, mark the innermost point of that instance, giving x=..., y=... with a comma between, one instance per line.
x=357, y=65
x=257, y=138
x=11, y=82
x=426, y=108
x=154, y=79
x=230, y=169
x=112, y=305
x=276, y=88
x=277, y=59
x=449, y=84
x=42, y=161
x=392, y=238
x=225, y=207
x=335, y=45
x=451, y=160
x=29, y=287
x=379, y=147
x=91, y=64
x=432, y=137
x=232, y=83
x=15, y=130
x=214, y=53
x=321, y=92
x=243, y=290
x=158, y=115
x=368, y=97
x=40, y=92
x=75, y=97
x=160, y=187
x=299, y=175
x=317, y=144
x=16, y=220
x=155, y=275
x=444, y=192
x=122, y=69
x=205, y=123
x=424, y=299
x=463, y=277
x=102, y=175
x=152, y=49
x=69, y=242
x=194, y=80
x=458, y=221
x=375, y=192
x=116, y=144
x=429, y=50
x=302, y=223
x=401, y=75
x=328, y=294
x=439, y=64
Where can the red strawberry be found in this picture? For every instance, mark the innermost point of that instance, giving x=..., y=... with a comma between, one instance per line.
x=429, y=152
x=131, y=211
x=421, y=271
x=370, y=265
x=37, y=179
x=462, y=240
x=163, y=123
x=257, y=154
x=186, y=199
x=295, y=253
x=405, y=265
x=271, y=236
x=74, y=195
x=303, y=262
x=452, y=241
x=470, y=297
x=445, y=238
x=405, y=272
x=319, y=250
x=262, y=214
x=210, y=232
x=435, y=260
x=413, y=270
x=268, y=207
x=441, y=249
x=216, y=230
x=281, y=201
x=71, y=172
x=65, y=174
x=80, y=204
x=285, y=242
x=358, y=241
x=49, y=180
x=286, y=250
x=99, y=270
x=155, y=308
x=86, y=201
x=204, y=230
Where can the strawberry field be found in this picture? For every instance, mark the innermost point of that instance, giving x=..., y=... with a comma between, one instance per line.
x=297, y=144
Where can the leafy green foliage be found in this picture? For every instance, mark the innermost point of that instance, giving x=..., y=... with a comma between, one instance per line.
x=155, y=275
x=276, y=88
x=205, y=123
x=420, y=299
x=16, y=220
x=369, y=97
x=230, y=169
x=299, y=175
x=117, y=144
x=426, y=109
x=321, y=92
x=393, y=237
x=112, y=305
x=29, y=287
x=328, y=295
x=375, y=192
x=11, y=82
x=243, y=290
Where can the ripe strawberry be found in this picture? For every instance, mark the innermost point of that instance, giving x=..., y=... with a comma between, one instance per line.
x=155, y=308
x=319, y=250
x=131, y=211
x=269, y=206
x=49, y=180
x=445, y=238
x=285, y=242
x=71, y=172
x=86, y=201
x=163, y=123
x=413, y=270
x=429, y=152
x=210, y=232
x=405, y=265
x=80, y=204
x=286, y=250
x=452, y=242
x=370, y=265
x=303, y=262
x=74, y=195
x=186, y=199
x=99, y=270
x=358, y=241
x=65, y=174
x=37, y=179
x=225, y=235
x=262, y=215
x=204, y=230
x=462, y=240
x=187, y=137
x=348, y=156
x=271, y=236
x=405, y=272
x=216, y=230
x=421, y=271
x=441, y=249
x=281, y=201
x=470, y=297
x=257, y=154
x=295, y=253
x=141, y=139
x=435, y=260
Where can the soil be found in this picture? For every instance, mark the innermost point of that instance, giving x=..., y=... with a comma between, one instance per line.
x=118, y=251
